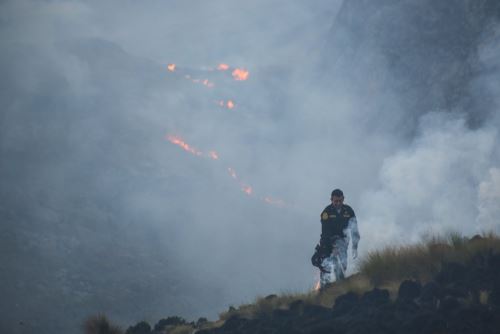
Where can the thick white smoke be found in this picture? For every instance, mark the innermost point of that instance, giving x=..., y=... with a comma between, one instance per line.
x=433, y=185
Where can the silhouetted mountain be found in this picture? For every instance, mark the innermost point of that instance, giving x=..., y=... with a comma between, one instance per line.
x=421, y=55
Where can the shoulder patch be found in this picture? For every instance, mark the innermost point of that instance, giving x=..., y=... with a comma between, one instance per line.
x=324, y=215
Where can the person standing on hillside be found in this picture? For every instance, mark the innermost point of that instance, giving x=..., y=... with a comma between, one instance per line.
x=338, y=227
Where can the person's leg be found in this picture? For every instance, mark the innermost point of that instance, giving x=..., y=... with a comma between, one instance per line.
x=325, y=277
x=340, y=258
x=339, y=272
x=342, y=251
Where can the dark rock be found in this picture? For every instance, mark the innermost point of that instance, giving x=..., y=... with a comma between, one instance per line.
x=474, y=320
x=345, y=303
x=409, y=290
x=297, y=306
x=457, y=290
x=494, y=266
x=426, y=322
x=325, y=329
x=235, y=324
x=431, y=292
x=449, y=304
x=494, y=296
x=279, y=313
x=437, y=309
x=476, y=238
x=451, y=272
x=375, y=297
x=315, y=310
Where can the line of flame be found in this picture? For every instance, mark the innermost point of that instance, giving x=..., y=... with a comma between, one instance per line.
x=186, y=147
x=213, y=155
x=181, y=143
x=247, y=189
x=239, y=74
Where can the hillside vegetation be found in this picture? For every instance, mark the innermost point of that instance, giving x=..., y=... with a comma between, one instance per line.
x=439, y=278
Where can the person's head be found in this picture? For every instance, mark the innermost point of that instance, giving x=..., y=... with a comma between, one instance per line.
x=337, y=198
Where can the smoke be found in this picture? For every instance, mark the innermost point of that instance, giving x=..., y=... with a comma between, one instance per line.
x=446, y=178
x=88, y=103
x=488, y=197
x=432, y=186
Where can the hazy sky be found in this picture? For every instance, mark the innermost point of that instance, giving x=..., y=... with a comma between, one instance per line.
x=294, y=135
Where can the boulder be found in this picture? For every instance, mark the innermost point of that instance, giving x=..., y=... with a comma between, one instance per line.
x=409, y=290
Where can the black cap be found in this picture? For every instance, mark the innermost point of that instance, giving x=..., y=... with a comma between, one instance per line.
x=337, y=193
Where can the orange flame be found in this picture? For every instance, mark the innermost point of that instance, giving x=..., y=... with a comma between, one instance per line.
x=317, y=286
x=247, y=189
x=229, y=104
x=240, y=74
x=179, y=142
x=223, y=67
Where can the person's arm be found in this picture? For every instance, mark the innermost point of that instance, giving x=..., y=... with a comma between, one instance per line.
x=324, y=237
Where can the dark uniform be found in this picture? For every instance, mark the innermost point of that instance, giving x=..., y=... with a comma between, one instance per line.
x=337, y=228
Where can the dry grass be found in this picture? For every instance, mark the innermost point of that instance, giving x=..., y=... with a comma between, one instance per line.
x=385, y=269
x=264, y=306
x=424, y=260
x=356, y=283
x=181, y=329
x=99, y=324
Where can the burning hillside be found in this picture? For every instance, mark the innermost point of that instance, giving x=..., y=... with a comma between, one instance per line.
x=213, y=155
x=208, y=77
